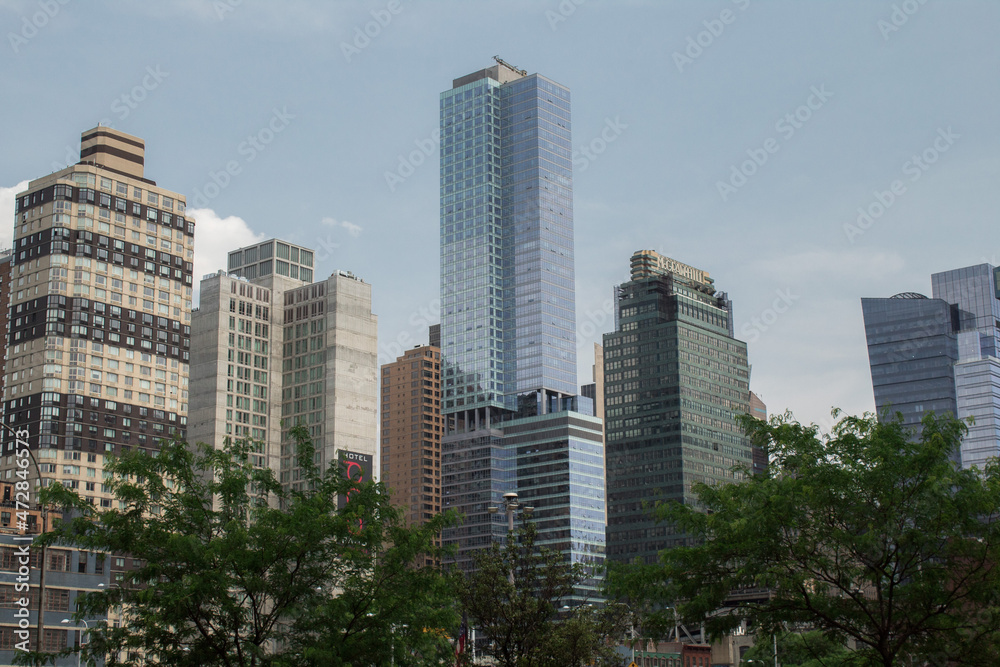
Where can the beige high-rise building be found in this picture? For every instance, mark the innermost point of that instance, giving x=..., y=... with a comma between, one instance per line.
x=273, y=350
x=100, y=313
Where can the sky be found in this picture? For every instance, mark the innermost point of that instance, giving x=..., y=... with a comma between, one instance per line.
x=805, y=154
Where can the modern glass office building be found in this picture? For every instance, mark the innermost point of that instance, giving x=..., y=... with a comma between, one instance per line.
x=508, y=341
x=973, y=290
x=507, y=281
x=940, y=355
x=912, y=350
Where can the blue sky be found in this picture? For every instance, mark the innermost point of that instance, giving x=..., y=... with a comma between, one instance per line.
x=823, y=104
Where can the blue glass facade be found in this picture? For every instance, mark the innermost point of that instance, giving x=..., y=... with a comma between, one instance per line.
x=977, y=388
x=472, y=295
x=507, y=282
x=476, y=470
x=912, y=349
x=512, y=419
x=973, y=290
x=560, y=474
x=940, y=355
x=539, y=297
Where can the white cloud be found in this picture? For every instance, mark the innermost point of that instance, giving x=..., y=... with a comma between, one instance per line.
x=214, y=237
x=352, y=229
x=7, y=196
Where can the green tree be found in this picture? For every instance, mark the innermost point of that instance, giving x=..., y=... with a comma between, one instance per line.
x=588, y=635
x=231, y=569
x=524, y=620
x=800, y=649
x=869, y=533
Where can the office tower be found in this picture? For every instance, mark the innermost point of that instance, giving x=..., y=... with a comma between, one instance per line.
x=275, y=351
x=100, y=313
x=912, y=350
x=757, y=408
x=974, y=290
x=508, y=314
x=675, y=382
x=595, y=390
x=506, y=241
x=758, y=411
x=411, y=432
x=940, y=355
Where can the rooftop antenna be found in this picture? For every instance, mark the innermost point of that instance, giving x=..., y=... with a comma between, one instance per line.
x=501, y=61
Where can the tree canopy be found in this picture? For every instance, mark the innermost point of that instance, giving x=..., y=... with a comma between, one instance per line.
x=870, y=533
x=229, y=568
x=525, y=619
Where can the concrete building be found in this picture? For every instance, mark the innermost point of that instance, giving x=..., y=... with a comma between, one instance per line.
x=275, y=351
x=411, y=432
x=272, y=258
x=236, y=354
x=508, y=324
x=675, y=382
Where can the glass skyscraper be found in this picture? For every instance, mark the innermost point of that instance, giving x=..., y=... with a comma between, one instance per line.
x=507, y=283
x=508, y=341
x=912, y=350
x=940, y=355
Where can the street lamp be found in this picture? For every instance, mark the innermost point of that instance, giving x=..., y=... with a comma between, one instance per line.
x=86, y=626
x=510, y=504
x=677, y=634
